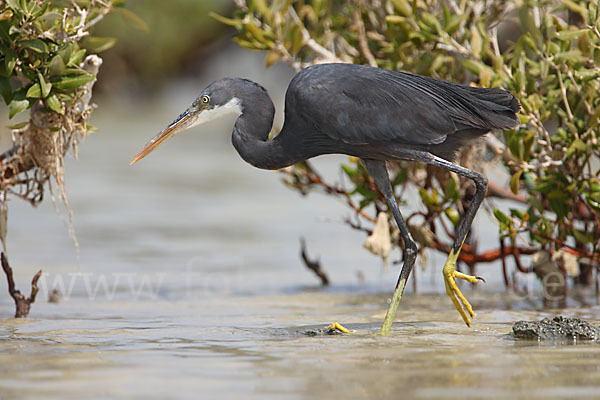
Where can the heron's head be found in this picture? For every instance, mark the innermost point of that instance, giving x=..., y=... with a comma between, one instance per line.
x=219, y=98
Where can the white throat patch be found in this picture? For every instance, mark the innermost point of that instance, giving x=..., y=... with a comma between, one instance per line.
x=233, y=106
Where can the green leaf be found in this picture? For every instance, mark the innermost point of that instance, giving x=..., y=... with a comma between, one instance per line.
x=262, y=8
x=518, y=213
x=593, y=202
x=583, y=237
x=42, y=10
x=297, y=40
x=4, y=28
x=56, y=66
x=451, y=190
x=7, y=14
x=14, y=4
x=573, y=6
x=66, y=51
x=577, y=146
x=36, y=45
x=133, y=19
x=452, y=215
x=45, y=86
x=91, y=128
x=54, y=104
x=23, y=4
x=557, y=194
x=559, y=205
x=502, y=218
x=514, y=182
x=69, y=82
x=50, y=17
x=10, y=60
x=431, y=21
x=98, y=44
x=17, y=106
x=403, y=7
x=569, y=34
x=5, y=90
x=76, y=58
x=400, y=177
x=18, y=126
x=528, y=141
x=348, y=170
x=429, y=200
x=227, y=21
x=34, y=91
x=454, y=23
x=476, y=41
x=475, y=66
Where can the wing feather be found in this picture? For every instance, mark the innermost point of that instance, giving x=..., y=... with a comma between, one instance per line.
x=358, y=104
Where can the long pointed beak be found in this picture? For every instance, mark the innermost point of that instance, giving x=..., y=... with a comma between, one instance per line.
x=184, y=121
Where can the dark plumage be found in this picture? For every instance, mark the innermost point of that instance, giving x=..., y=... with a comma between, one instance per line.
x=371, y=113
x=370, y=105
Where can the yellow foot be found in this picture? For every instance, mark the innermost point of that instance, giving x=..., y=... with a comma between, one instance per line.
x=338, y=327
x=450, y=274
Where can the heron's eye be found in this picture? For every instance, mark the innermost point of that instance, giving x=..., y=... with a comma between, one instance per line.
x=205, y=99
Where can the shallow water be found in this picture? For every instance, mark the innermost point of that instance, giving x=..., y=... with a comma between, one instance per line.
x=189, y=285
x=255, y=347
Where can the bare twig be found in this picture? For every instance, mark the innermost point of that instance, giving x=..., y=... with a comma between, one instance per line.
x=314, y=266
x=309, y=41
x=22, y=303
x=363, y=43
x=563, y=93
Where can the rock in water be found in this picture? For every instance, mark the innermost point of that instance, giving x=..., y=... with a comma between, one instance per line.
x=557, y=328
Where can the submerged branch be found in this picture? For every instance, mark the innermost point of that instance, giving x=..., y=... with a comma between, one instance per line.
x=22, y=303
x=314, y=266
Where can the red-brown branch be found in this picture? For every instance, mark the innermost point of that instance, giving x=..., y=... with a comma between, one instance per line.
x=566, y=247
x=314, y=178
x=495, y=190
x=466, y=255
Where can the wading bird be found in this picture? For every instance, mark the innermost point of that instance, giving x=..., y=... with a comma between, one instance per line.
x=374, y=114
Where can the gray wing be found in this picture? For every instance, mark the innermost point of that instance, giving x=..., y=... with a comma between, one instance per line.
x=358, y=104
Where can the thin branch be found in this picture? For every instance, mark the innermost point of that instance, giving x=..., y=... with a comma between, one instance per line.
x=468, y=257
x=363, y=43
x=308, y=40
x=567, y=247
x=564, y=95
x=496, y=190
x=313, y=178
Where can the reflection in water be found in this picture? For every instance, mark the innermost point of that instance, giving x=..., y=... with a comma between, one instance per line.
x=189, y=285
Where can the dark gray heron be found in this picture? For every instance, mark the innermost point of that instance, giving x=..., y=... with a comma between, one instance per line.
x=374, y=114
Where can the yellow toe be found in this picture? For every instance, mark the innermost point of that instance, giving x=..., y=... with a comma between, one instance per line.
x=338, y=327
x=460, y=301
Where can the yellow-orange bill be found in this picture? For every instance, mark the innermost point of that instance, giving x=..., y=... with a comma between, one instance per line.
x=181, y=123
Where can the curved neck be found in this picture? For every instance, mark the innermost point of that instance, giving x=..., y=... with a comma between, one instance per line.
x=251, y=136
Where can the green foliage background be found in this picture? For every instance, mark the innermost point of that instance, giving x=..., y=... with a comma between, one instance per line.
x=40, y=55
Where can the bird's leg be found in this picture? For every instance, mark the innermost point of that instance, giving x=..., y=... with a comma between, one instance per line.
x=450, y=274
x=379, y=173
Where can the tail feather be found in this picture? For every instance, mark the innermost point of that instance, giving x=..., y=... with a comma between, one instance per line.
x=496, y=107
